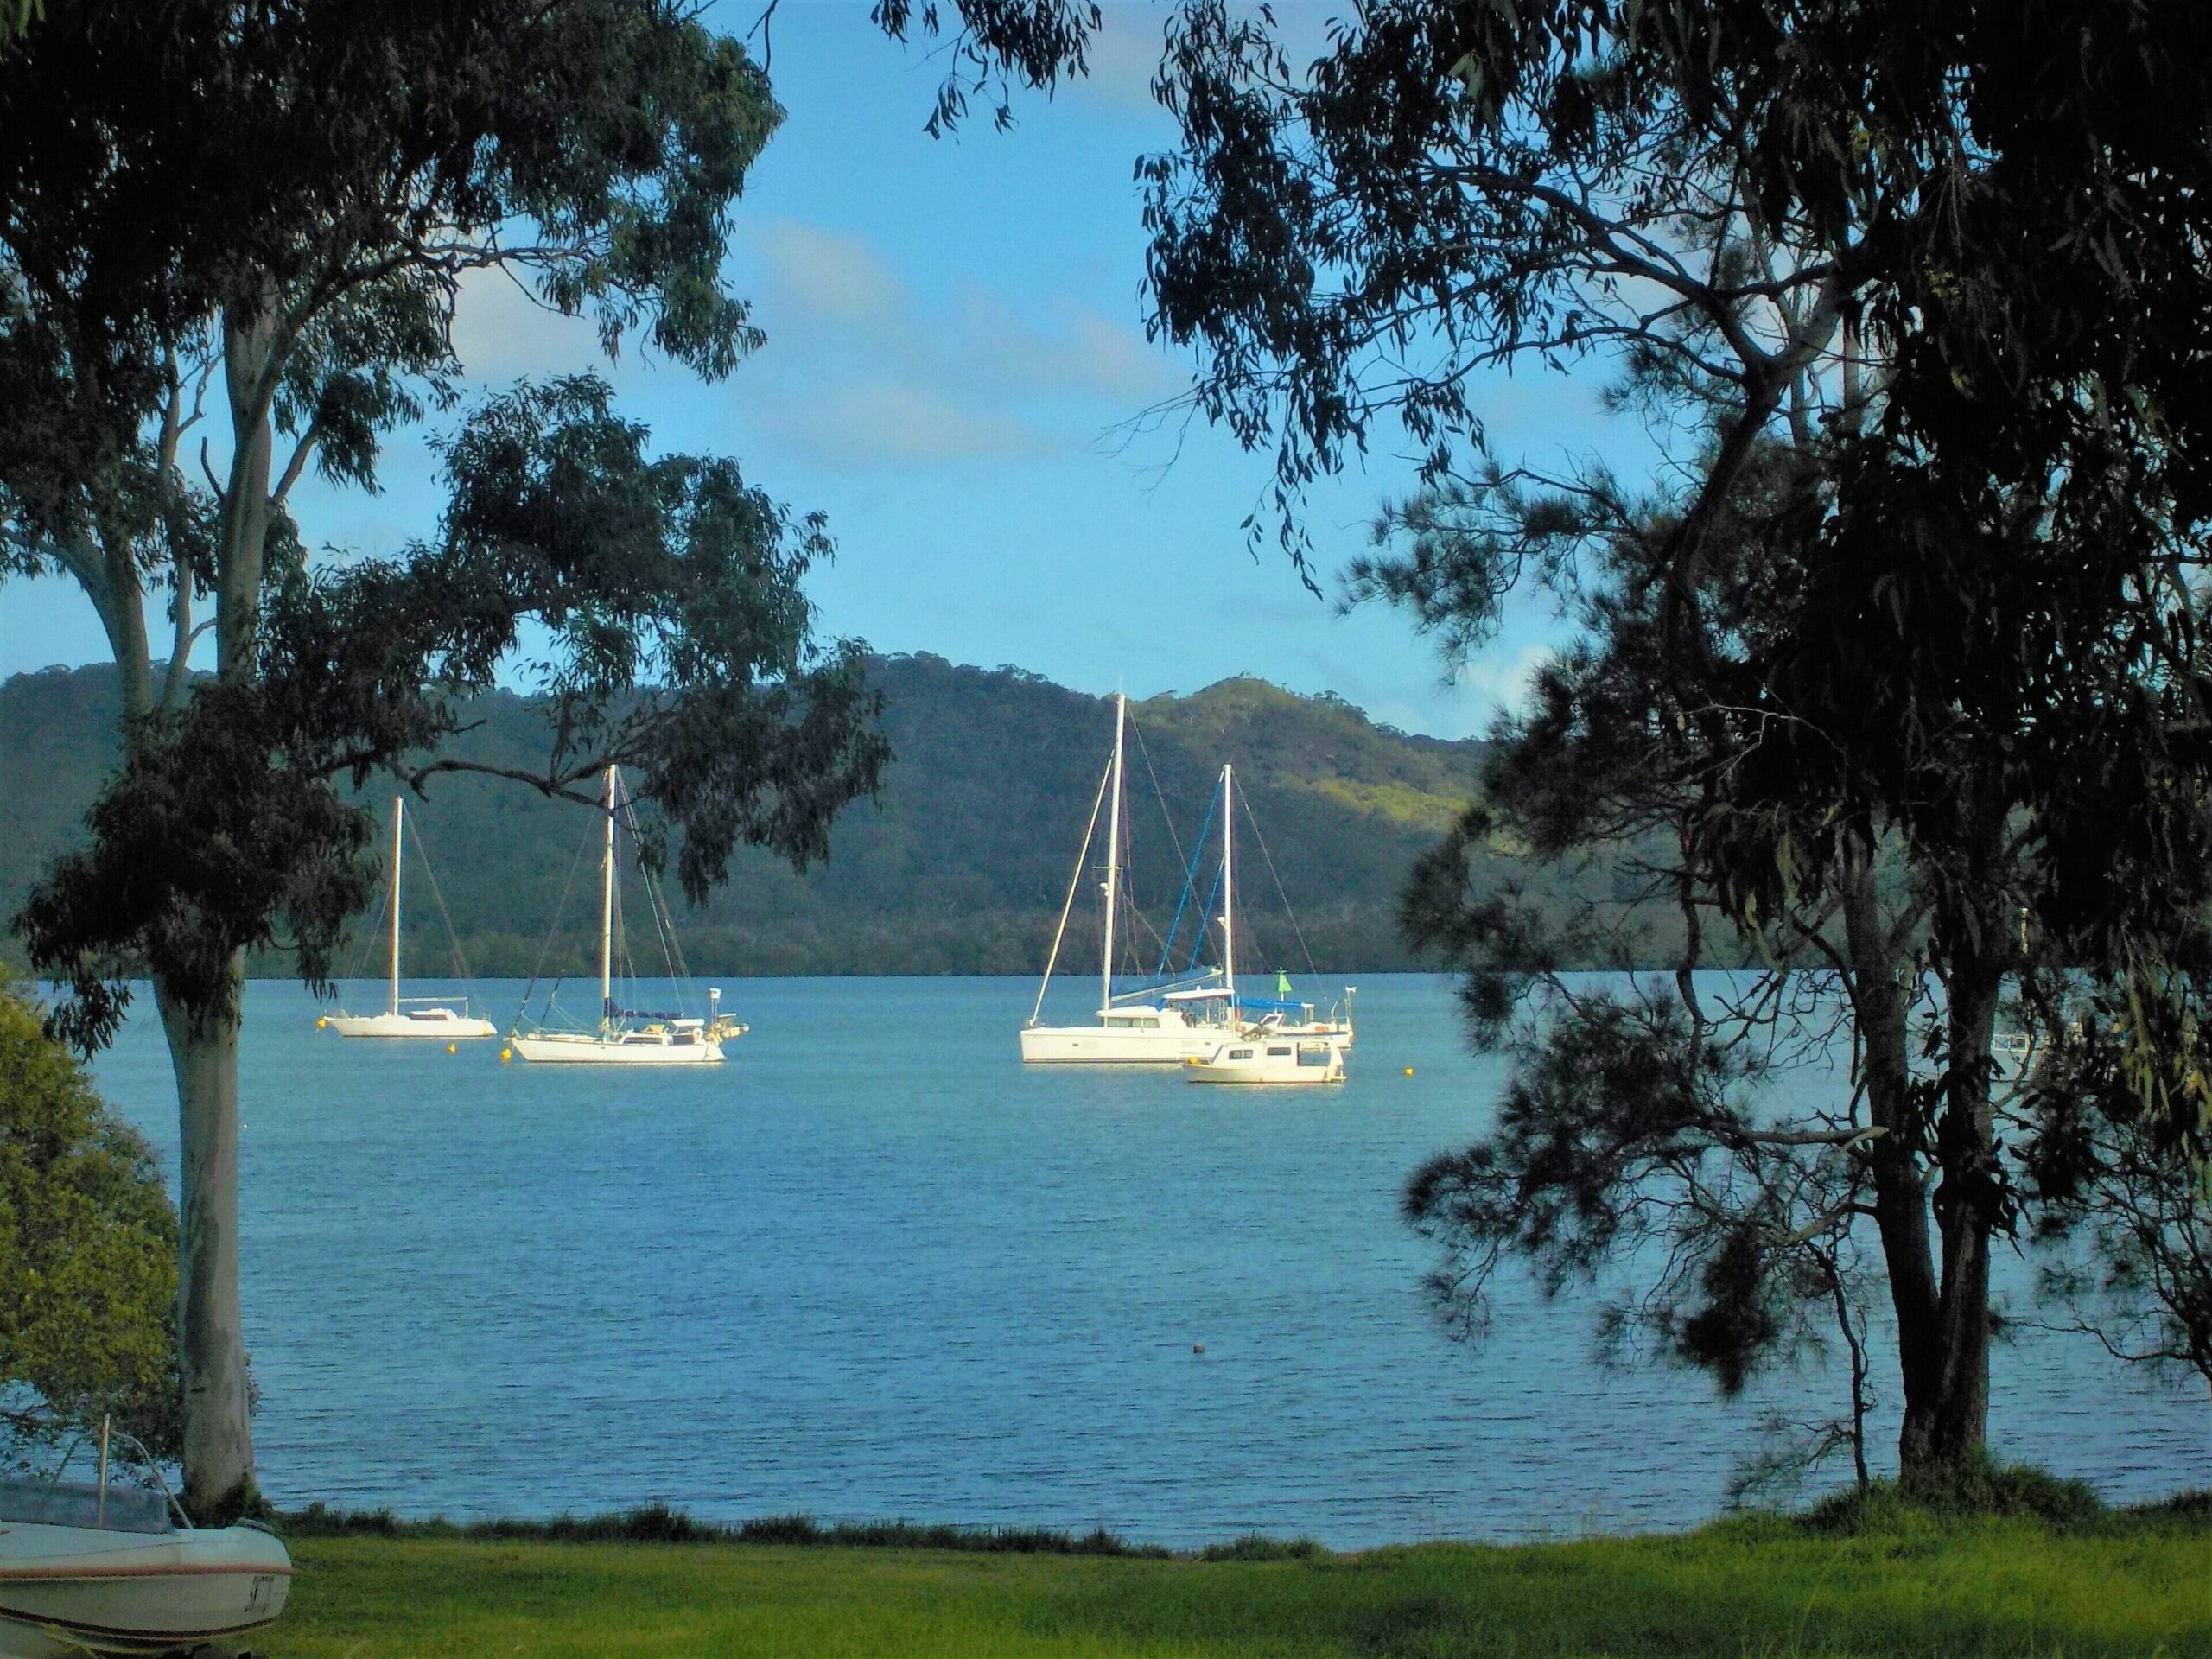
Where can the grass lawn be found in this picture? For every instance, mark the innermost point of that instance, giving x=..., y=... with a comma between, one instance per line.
x=1753, y=1586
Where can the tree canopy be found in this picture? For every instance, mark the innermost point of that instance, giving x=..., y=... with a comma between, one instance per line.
x=88, y=1255
x=277, y=208
x=1900, y=646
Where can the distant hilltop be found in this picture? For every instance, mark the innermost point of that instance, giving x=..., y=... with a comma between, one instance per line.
x=960, y=868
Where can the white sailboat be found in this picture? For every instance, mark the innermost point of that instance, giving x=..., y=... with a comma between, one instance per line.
x=407, y=1016
x=625, y=1036
x=1141, y=1031
x=1283, y=1016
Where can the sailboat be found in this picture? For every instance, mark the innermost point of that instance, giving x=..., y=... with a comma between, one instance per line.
x=407, y=1016
x=625, y=1036
x=1278, y=1039
x=1136, y=1030
x=1283, y=1015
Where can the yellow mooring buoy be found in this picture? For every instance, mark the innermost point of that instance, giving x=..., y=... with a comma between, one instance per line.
x=1409, y=1071
x=452, y=1048
x=506, y=1054
x=322, y=1025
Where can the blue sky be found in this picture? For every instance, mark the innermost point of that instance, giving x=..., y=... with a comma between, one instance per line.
x=956, y=373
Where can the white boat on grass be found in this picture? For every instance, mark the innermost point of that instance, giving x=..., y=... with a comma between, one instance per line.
x=626, y=1036
x=96, y=1568
x=1268, y=1059
x=408, y=1016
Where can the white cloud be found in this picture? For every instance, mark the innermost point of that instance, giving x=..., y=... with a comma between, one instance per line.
x=1081, y=351
x=828, y=276
x=1505, y=680
x=885, y=423
x=502, y=332
x=870, y=368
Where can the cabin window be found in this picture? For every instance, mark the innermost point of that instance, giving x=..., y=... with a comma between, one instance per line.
x=1240, y=1053
x=1278, y=1053
x=1313, y=1054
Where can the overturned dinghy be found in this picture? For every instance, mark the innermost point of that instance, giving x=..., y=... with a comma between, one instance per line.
x=108, y=1569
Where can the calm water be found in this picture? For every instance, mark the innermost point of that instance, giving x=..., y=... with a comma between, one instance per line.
x=872, y=1268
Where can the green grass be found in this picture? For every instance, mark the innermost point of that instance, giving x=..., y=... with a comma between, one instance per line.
x=1902, y=1581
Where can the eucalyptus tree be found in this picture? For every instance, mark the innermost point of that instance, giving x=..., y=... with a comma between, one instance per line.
x=1901, y=643
x=261, y=218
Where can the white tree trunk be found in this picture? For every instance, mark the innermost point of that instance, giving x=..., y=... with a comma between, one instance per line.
x=218, y=1436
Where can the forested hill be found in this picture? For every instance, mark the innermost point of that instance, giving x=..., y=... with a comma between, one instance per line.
x=960, y=866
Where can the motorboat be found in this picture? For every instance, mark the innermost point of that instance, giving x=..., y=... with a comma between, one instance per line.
x=408, y=1016
x=626, y=1036
x=112, y=1569
x=1270, y=1060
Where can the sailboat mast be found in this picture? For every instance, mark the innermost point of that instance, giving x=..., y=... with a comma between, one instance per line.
x=1113, y=853
x=1229, y=888
x=606, y=913
x=398, y=809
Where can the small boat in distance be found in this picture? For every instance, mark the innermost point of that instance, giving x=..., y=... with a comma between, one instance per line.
x=1268, y=1059
x=87, y=1568
x=408, y=1016
x=626, y=1036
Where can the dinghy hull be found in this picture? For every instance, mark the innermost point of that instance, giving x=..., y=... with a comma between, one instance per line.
x=65, y=1589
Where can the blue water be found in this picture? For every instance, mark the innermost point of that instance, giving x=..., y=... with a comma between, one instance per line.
x=873, y=1267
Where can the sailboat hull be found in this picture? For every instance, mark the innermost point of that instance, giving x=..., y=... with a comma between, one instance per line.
x=560, y=1048
x=441, y=1024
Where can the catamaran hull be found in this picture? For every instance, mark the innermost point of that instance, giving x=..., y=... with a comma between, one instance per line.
x=442, y=1025
x=1102, y=1046
x=589, y=1051
x=65, y=1589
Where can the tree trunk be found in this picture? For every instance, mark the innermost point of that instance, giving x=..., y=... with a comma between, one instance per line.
x=218, y=1437
x=204, y=1036
x=249, y=344
x=1883, y=1008
x=1967, y=1208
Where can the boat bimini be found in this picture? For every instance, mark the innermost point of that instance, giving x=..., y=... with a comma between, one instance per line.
x=87, y=1568
x=628, y=1036
x=408, y=1016
x=1270, y=1060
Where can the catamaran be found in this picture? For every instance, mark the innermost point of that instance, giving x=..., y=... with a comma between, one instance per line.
x=1152, y=1027
x=1138, y=1028
x=408, y=1016
x=626, y=1036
